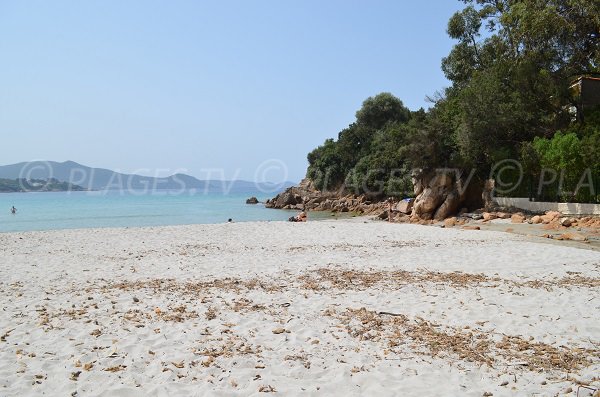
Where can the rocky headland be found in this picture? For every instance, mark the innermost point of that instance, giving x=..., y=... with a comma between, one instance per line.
x=436, y=196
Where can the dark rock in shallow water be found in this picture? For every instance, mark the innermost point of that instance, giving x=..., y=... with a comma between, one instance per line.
x=252, y=200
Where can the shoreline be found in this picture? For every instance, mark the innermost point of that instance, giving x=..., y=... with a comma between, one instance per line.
x=528, y=232
x=338, y=307
x=323, y=216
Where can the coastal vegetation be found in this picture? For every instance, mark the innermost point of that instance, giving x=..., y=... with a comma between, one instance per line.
x=511, y=97
x=36, y=185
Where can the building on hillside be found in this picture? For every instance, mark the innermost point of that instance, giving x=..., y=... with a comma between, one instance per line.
x=586, y=95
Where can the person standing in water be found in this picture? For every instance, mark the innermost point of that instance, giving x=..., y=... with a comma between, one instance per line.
x=13, y=210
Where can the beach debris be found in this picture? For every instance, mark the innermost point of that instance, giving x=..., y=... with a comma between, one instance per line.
x=343, y=279
x=96, y=333
x=267, y=389
x=587, y=391
x=469, y=345
x=279, y=331
x=44, y=319
x=178, y=365
x=88, y=366
x=116, y=368
x=324, y=279
x=135, y=299
x=211, y=313
x=75, y=375
x=390, y=314
x=5, y=335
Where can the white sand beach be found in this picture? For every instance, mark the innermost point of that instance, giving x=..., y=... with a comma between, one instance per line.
x=348, y=307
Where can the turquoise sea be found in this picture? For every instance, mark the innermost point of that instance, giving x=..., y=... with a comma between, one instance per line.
x=70, y=210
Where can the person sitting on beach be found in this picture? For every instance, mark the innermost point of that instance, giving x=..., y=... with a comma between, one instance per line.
x=301, y=217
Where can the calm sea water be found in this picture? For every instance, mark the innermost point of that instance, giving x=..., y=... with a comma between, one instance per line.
x=68, y=210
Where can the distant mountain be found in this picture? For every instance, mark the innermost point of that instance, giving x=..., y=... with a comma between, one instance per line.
x=103, y=179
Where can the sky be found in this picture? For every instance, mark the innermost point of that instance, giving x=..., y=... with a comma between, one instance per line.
x=216, y=89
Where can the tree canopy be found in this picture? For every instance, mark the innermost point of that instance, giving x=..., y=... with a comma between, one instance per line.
x=510, y=70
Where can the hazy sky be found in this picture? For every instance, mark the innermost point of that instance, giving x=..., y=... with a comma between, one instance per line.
x=203, y=86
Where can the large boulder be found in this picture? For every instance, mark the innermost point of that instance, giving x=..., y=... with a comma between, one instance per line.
x=441, y=193
x=550, y=216
x=536, y=219
x=517, y=218
x=572, y=236
x=252, y=200
x=488, y=216
x=566, y=222
x=405, y=206
x=449, y=206
x=286, y=198
x=427, y=203
x=449, y=222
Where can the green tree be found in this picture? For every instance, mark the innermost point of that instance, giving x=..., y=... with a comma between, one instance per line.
x=510, y=71
x=562, y=155
x=325, y=166
x=378, y=111
x=333, y=164
x=511, y=86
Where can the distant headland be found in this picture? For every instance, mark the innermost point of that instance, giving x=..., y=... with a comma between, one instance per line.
x=69, y=175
